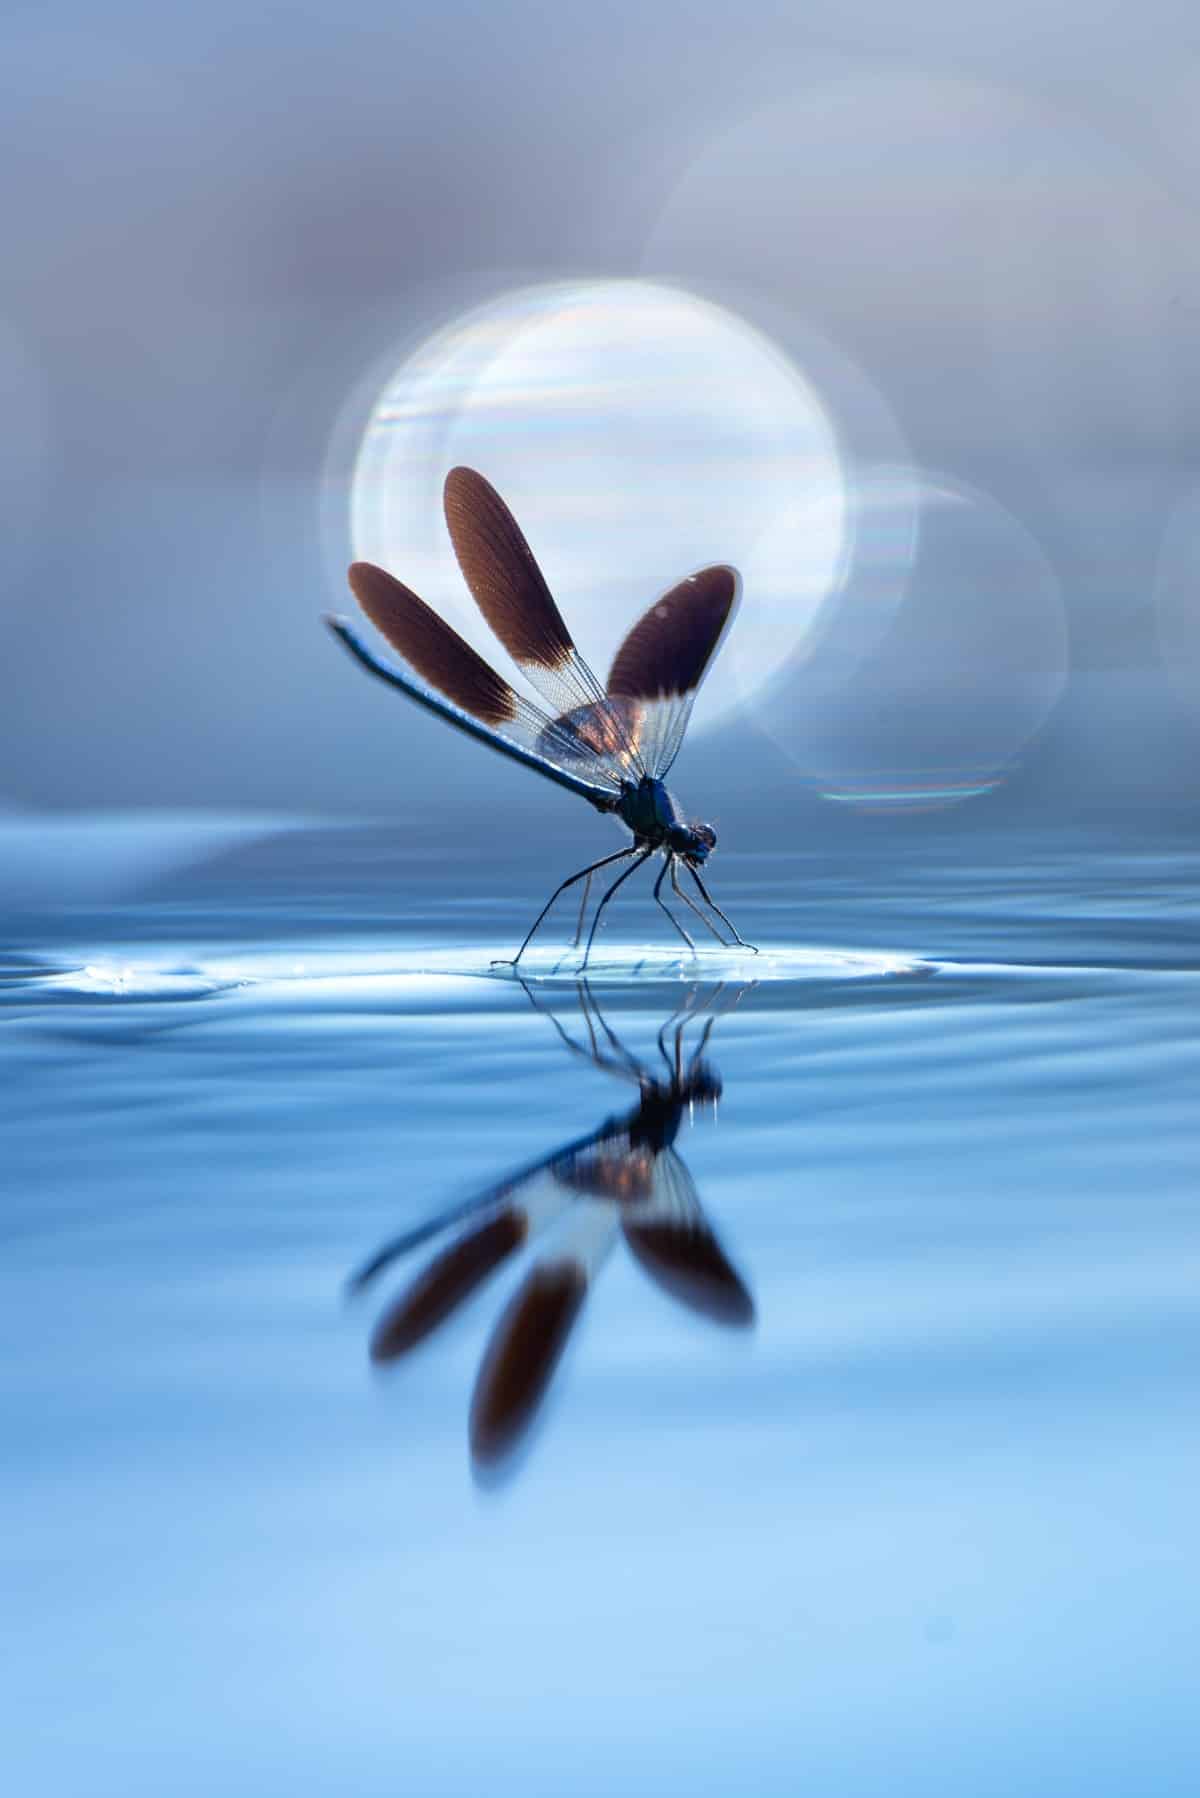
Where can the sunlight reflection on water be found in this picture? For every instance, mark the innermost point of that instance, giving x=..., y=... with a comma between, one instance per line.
x=379, y=969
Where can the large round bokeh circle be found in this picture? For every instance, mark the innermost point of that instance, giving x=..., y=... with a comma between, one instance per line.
x=638, y=432
x=944, y=656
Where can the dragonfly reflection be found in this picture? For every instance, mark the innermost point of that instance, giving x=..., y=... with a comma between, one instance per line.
x=623, y=1180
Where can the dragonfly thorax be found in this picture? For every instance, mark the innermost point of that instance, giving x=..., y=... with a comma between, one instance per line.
x=656, y=1122
x=654, y=817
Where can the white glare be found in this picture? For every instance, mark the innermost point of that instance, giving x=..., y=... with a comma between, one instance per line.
x=637, y=432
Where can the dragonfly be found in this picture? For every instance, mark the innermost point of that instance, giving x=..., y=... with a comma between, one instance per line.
x=613, y=745
x=623, y=1180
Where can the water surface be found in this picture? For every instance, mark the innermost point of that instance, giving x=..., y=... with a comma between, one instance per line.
x=919, y=1524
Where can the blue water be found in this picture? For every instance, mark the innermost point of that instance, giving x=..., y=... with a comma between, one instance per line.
x=926, y=1525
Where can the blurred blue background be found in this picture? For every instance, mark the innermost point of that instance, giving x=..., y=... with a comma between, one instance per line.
x=974, y=237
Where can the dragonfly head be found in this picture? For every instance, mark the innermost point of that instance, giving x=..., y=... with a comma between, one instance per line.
x=694, y=842
x=703, y=1085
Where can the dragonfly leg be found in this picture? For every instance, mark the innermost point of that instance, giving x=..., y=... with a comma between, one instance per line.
x=587, y=887
x=641, y=856
x=626, y=1068
x=688, y=900
x=581, y=990
x=588, y=999
x=712, y=902
x=511, y=961
x=663, y=906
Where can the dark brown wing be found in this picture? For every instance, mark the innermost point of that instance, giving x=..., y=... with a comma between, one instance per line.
x=448, y=1281
x=675, y=1244
x=522, y=1355
x=669, y=648
x=499, y=568
x=443, y=662
x=510, y=590
x=426, y=642
x=666, y=655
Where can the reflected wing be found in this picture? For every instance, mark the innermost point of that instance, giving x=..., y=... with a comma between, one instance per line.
x=529, y=1189
x=522, y=1355
x=446, y=1283
x=529, y=1339
x=474, y=698
x=510, y=590
x=673, y=1241
x=498, y=1221
x=610, y=1167
x=661, y=663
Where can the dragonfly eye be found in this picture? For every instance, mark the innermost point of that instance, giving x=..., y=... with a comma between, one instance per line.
x=703, y=842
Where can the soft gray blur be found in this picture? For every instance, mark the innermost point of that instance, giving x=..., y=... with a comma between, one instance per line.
x=222, y=222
